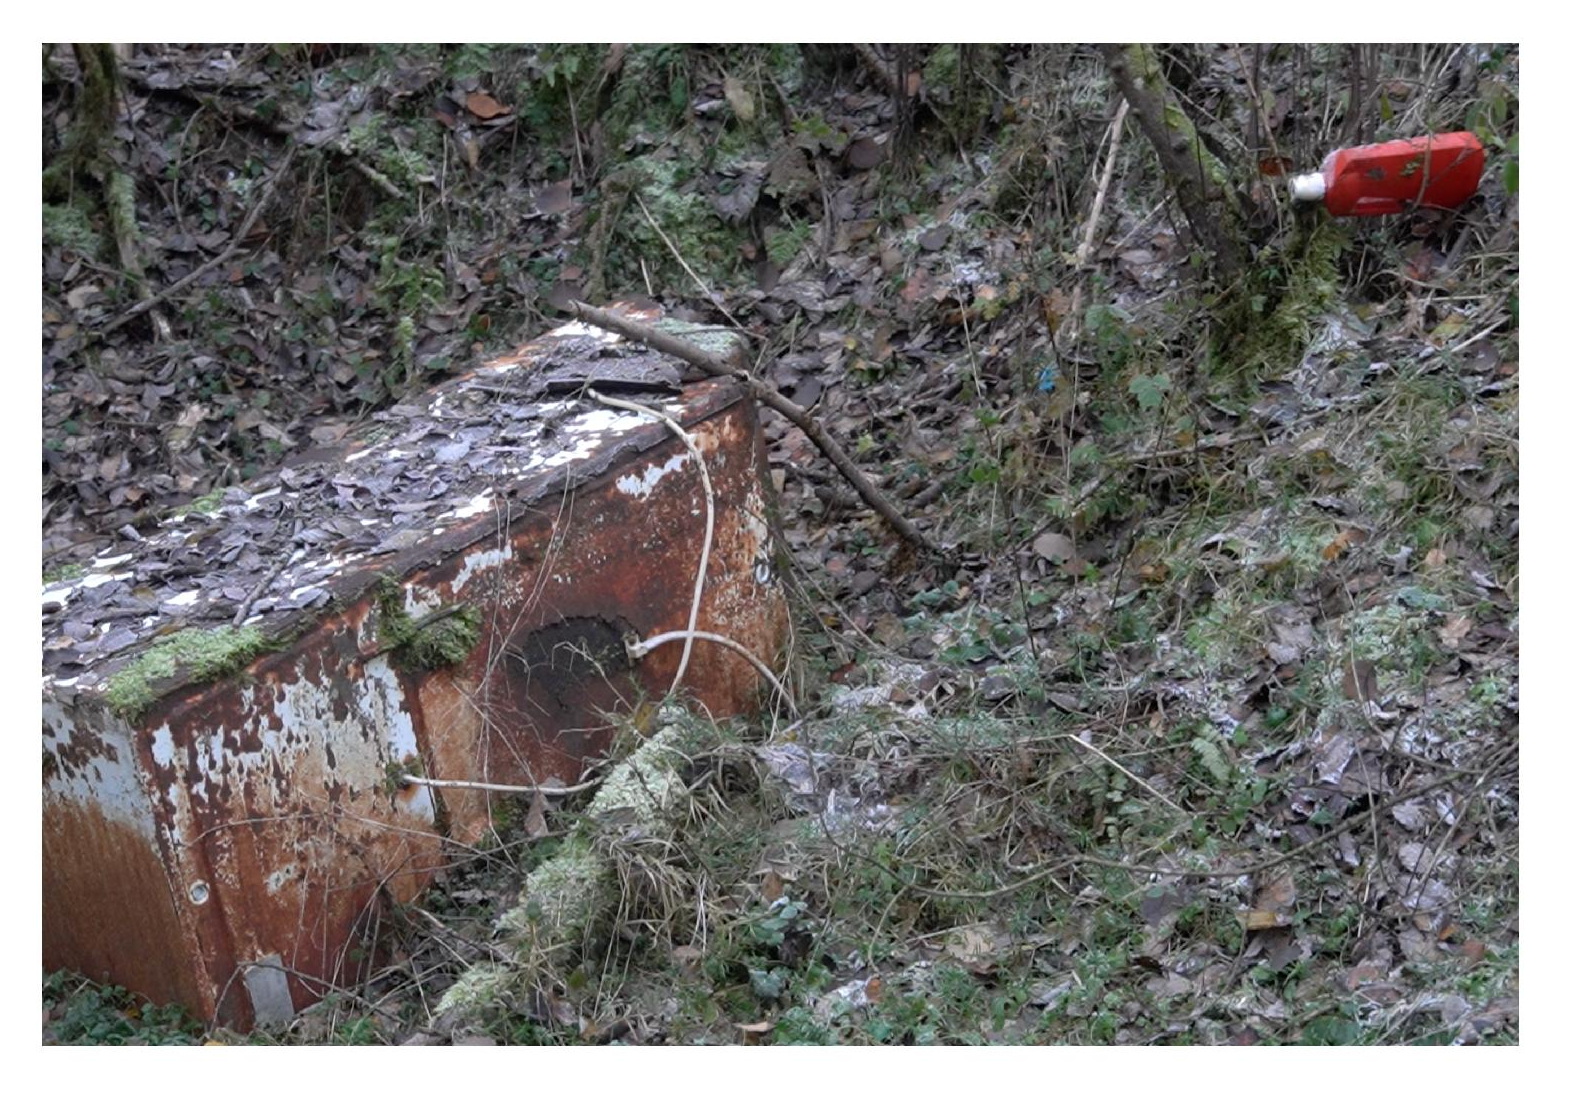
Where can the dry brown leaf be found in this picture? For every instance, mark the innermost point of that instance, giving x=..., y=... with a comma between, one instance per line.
x=1359, y=681
x=1277, y=894
x=554, y=198
x=1339, y=546
x=866, y=153
x=537, y=816
x=485, y=106
x=1053, y=546
x=1261, y=919
x=739, y=97
x=772, y=886
x=1456, y=628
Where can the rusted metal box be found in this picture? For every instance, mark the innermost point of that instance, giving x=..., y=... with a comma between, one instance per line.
x=450, y=592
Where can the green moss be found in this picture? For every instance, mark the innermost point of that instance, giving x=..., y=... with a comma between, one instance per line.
x=785, y=244
x=203, y=655
x=208, y=505
x=1268, y=324
x=68, y=572
x=68, y=227
x=121, y=199
x=686, y=217
x=437, y=640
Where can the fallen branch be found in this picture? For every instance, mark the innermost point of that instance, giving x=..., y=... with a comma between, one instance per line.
x=669, y=344
x=573, y=894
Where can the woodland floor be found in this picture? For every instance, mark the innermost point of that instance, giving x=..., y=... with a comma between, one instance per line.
x=1210, y=735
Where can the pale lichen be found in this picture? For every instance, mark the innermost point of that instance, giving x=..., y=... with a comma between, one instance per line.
x=481, y=986
x=567, y=895
x=709, y=338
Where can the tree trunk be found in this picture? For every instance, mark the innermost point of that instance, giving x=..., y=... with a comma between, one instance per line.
x=1196, y=177
x=87, y=152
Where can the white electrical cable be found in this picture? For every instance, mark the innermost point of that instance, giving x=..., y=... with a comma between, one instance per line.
x=706, y=544
x=640, y=649
x=515, y=789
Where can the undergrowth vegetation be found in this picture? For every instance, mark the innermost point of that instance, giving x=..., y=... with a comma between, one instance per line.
x=1208, y=733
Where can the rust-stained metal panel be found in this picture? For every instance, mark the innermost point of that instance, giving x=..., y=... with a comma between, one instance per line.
x=231, y=845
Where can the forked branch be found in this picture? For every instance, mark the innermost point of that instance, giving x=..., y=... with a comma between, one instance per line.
x=669, y=344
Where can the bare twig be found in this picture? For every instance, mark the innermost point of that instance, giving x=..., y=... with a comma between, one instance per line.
x=376, y=178
x=237, y=243
x=1082, y=254
x=672, y=345
x=244, y=609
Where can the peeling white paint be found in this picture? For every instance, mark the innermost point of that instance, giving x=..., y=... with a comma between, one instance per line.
x=480, y=560
x=255, y=502
x=417, y=605
x=395, y=725
x=107, y=781
x=479, y=504
x=163, y=747
x=642, y=485
x=581, y=328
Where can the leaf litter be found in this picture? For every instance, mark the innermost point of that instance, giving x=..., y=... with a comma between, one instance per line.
x=1316, y=659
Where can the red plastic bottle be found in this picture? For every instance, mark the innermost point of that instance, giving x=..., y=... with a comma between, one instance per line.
x=1439, y=170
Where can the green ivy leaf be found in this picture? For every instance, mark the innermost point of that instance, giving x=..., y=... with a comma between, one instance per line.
x=1211, y=757
x=1150, y=390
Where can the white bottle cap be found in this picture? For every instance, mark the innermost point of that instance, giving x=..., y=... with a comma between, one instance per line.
x=1309, y=187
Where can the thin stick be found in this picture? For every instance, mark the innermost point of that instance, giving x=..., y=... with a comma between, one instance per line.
x=1088, y=241
x=376, y=178
x=244, y=609
x=672, y=345
x=235, y=246
x=1126, y=772
x=706, y=543
x=1082, y=255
